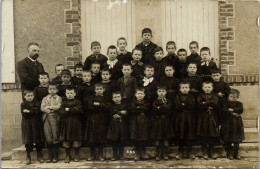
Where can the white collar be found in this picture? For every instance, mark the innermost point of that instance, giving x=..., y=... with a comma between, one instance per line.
x=147, y=80
x=31, y=59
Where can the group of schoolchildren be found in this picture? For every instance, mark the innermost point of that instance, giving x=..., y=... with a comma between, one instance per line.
x=140, y=98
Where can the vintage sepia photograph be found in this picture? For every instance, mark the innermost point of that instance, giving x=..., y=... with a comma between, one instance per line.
x=130, y=83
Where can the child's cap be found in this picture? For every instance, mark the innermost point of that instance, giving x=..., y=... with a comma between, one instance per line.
x=234, y=91
x=146, y=30
x=216, y=70
x=66, y=72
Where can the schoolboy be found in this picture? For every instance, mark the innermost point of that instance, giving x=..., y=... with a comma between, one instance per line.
x=58, y=69
x=171, y=57
x=70, y=134
x=96, y=56
x=66, y=83
x=32, y=129
x=147, y=46
x=108, y=84
x=181, y=64
x=51, y=121
x=194, y=56
x=95, y=70
x=158, y=63
x=42, y=90
x=137, y=64
x=193, y=78
x=220, y=87
x=77, y=78
x=123, y=55
x=207, y=64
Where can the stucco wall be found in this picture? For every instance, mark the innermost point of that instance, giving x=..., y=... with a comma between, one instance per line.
x=41, y=21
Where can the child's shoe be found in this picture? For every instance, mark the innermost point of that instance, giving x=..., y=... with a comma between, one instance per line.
x=229, y=155
x=67, y=159
x=28, y=160
x=158, y=154
x=143, y=154
x=205, y=153
x=50, y=151
x=39, y=156
x=191, y=156
x=178, y=156
x=100, y=154
x=76, y=158
x=138, y=156
x=55, y=153
x=165, y=153
x=236, y=155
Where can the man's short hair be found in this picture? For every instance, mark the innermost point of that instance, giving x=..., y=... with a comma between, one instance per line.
x=32, y=44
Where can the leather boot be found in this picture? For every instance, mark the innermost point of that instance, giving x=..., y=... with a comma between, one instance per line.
x=143, y=154
x=55, y=153
x=50, y=151
x=236, y=154
x=92, y=154
x=158, y=153
x=165, y=153
x=39, y=156
x=68, y=157
x=138, y=154
x=76, y=159
x=121, y=153
x=114, y=158
x=100, y=154
x=28, y=159
x=205, y=152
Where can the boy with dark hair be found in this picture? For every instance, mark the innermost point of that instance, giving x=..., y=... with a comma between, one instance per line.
x=171, y=58
x=193, y=78
x=158, y=63
x=66, y=83
x=194, y=56
x=108, y=84
x=181, y=64
x=77, y=78
x=207, y=63
x=137, y=65
x=42, y=90
x=123, y=55
x=95, y=70
x=58, y=69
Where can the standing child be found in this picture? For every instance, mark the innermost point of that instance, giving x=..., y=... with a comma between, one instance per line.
x=95, y=57
x=185, y=124
x=51, y=122
x=123, y=55
x=161, y=128
x=181, y=64
x=232, y=129
x=66, y=83
x=147, y=46
x=95, y=70
x=194, y=56
x=118, y=127
x=42, y=90
x=140, y=123
x=208, y=124
x=207, y=63
x=96, y=129
x=137, y=65
x=58, y=69
x=171, y=58
x=32, y=129
x=158, y=63
x=70, y=134
x=107, y=83
x=77, y=78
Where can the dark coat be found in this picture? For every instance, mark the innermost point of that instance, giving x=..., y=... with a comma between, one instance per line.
x=206, y=70
x=40, y=92
x=185, y=120
x=138, y=70
x=28, y=72
x=57, y=80
x=158, y=69
x=172, y=86
x=195, y=84
x=127, y=89
x=32, y=127
x=97, y=118
x=124, y=58
x=96, y=79
x=207, y=119
x=118, y=128
x=194, y=58
x=85, y=90
x=71, y=120
x=170, y=60
x=147, y=52
x=232, y=128
x=62, y=90
x=76, y=81
x=116, y=71
x=94, y=58
x=161, y=124
x=150, y=89
x=180, y=69
x=140, y=120
x=109, y=88
x=222, y=87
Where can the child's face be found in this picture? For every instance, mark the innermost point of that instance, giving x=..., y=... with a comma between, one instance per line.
x=182, y=56
x=105, y=75
x=99, y=90
x=70, y=94
x=96, y=49
x=216, y=77
x=78, y=71
x=139, y=95
x=117, y=98
x=65, y=79
x=192, y=69
x=147, y=37
x=158, y=55
x=169, y=71
x=205, y=55
x=121, y=45
x=137, y=55
x=95, y=68
x=112, y=54
x=29, y=97
x=149, y=72
x=185, y=88
x=193, y=48
x=86, y=76
x=52, y=89
x=43, y=79
x=59, y=69
x=161, y=93
x=207, y=87
x=170, y=49
x=127, y=70
x=232, y=97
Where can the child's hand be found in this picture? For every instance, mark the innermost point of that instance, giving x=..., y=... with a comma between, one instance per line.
x=123, y=112
x=96, y=103
x=26, y=111
x=211, y=108
x=229, y=109
x=116, y=116
x=235, y=114
x=182, y=104
x=220, y=94
x=203, y=102
x=67, y=109
x=158, y=107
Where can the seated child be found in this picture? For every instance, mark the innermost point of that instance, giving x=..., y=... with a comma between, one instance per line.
x=137, y=65
x=51, y=122
x=42, y=90
x=95, y=57
x=58, y=69
x=95, y=70
x=181, y=64
x=149, y=83
x=32, y=129
x=118, y=127
x=207, y=64
x=158, y=63
x=108, y=84
x=77, y=78
x=147, y=46
x=123, y=55
x=140, y=123
x=70, y=134
x=194, y=56
x=232, y=129
x=171, y=58
x=66, y=83
x=127, y=84
x=96, y=125
x=161, y=130
x=208, y=124
x=185, y=123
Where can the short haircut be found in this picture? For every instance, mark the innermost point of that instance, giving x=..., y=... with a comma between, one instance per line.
x=140, y=89
x=216, y=70
x=170, y=43
x=146, y=30
x=71, y=88
x=25, y=92
x=111, y=47
x=58, y=66
x=121, y=38
x=205, y=49
x=98, y=85
x=86, y=71
x=207, y=82
x=32, y=44
x=234, y=91
x=53, y=83
x=182, y=50
x=126, y=64
x=95, y=43
x=192, y=62
x=194, y=43
x=137, y=49
x=148, y=66
x=105, y=70
x=95, y=63
x=158, y=49
x=184, y=82
x=66, y=72
x=43, y=74
x=78, y=65
x=169, y=66
x=161, y=87
x=116, y=92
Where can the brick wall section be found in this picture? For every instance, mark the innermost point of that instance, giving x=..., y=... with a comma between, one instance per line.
x=73, y=38
x=227, y=34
